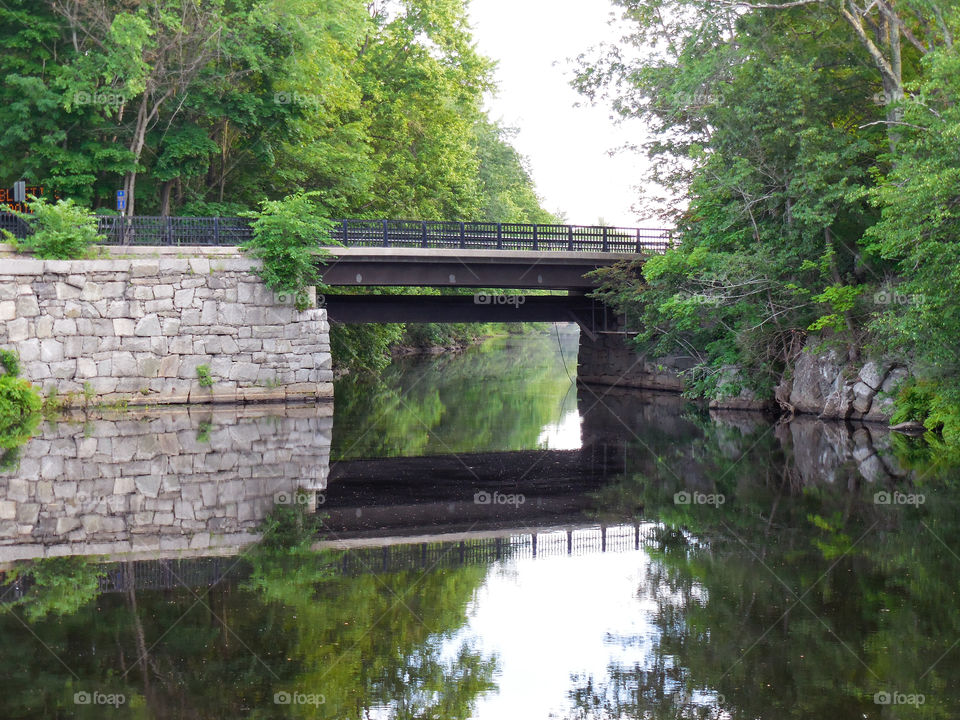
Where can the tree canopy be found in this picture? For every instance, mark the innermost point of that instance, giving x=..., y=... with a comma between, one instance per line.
x=211, y=106
x=816, y=143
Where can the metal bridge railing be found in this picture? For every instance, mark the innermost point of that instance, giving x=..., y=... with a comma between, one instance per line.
x=500, y=236
x=156, y=230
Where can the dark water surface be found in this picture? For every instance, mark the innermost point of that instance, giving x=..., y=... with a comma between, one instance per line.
x=494, y=543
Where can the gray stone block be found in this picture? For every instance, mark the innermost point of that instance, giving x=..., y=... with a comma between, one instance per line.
x=147, y=326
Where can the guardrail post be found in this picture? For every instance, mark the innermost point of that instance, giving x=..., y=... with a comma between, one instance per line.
x=216, y=231
x=570, y=238
x=423, y=228
x=345, y=231
x=639, y=243
x=536, y=243
x=499, y=236
x=606, y=242
x=386, y=235
x=463, y=237
x=169, y=230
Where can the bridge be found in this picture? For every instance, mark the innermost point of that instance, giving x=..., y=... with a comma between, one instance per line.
x=440, y=254
x=415, y=253
x=440, y=551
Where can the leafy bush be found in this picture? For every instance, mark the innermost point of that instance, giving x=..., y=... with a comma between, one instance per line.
x=61, y=586
x=63, y=231
x=925, y=403
x=19, y=417
x=287, y=237
x=10, y=362
x=203, y=376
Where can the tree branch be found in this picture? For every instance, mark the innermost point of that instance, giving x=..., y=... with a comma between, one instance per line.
x=771, y=6
x=892, y=122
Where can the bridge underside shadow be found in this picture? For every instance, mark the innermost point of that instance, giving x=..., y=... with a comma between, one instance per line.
x=468, y=268
x=590, y=315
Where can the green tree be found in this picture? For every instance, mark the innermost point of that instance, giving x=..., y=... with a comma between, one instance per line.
x=783, y=123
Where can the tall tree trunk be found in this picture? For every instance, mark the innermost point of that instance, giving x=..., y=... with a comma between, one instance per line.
x=165, y=197
x=145, y=116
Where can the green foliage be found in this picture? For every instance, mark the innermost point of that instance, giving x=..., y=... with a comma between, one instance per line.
x=288, y=236
x=457, y=403
x=19, y=416
x=363, y=348
x=60, y=586
x=203, y=376
x=506, y=187
x=62, y=231
x=289, y=528
x=809, y=198
x=203, y=431
x=918, y=197
x=10, y=362
x=925, y=403
x=378, y=107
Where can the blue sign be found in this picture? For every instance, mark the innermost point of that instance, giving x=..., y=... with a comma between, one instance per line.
x=121, y=200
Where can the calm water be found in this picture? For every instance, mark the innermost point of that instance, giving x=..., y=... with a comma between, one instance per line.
x=493, y=543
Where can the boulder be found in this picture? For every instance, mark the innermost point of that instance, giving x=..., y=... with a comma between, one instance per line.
x=863, y=396
x=873, y=374
x=816, y=376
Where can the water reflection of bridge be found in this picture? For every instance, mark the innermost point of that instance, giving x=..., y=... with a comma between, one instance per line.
x=371, y=556
x=392, y=555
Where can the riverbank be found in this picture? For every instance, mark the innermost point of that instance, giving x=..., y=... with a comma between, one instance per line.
x=820, y=381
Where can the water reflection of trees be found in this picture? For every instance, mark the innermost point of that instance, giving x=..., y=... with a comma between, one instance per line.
x=794, y=599
x=293, y=626
x=488, y=399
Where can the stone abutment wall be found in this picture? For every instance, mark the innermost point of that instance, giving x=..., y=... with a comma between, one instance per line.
x=162, y=482
x=137, y=328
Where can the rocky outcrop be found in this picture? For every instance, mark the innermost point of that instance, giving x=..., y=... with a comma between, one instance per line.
x=824, y=384
x=821, y=382
x=745, y=397
x=826, y=452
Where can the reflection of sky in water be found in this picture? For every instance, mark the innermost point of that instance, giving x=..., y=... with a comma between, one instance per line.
x=553, y=617
x=562, y=435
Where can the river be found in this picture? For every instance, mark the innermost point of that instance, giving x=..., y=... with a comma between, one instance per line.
x=474, y=536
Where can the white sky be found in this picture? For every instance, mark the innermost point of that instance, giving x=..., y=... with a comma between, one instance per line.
x=567, y=146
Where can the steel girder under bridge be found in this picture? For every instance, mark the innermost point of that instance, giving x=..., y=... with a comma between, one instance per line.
x=592, y=316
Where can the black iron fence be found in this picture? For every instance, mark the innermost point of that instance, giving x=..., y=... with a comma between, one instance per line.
x=155, y=230
x=500, y=236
